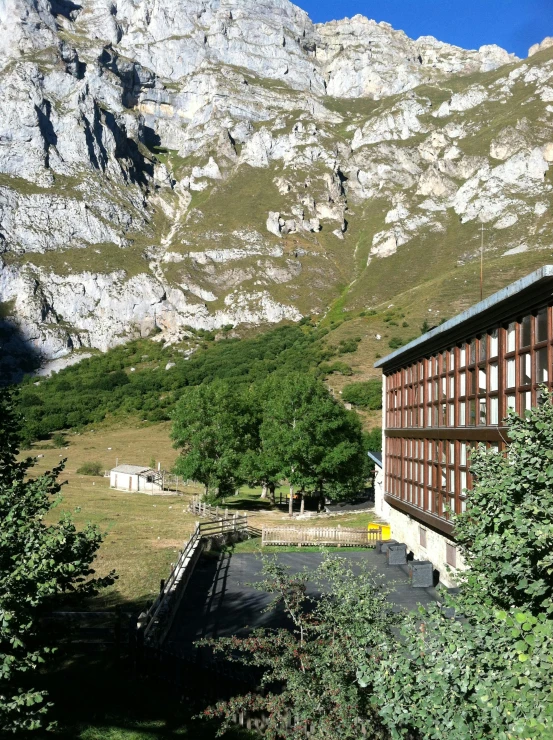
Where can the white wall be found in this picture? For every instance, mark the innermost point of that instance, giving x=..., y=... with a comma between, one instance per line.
x=406, y=529
x=147, y=486
x=381, y=508
x=120, y=481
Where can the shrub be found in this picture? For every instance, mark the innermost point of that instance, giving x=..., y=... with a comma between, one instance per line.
x=366, y=395
x=347, y=345
x=58, y=440
x=336, y=367
x=395, y=343
x=91, y=468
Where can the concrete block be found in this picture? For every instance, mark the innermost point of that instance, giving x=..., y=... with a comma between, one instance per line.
x=397, y=554
x=382, y=547
x=421, y=573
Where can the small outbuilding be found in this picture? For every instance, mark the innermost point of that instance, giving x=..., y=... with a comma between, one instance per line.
x=136, y=478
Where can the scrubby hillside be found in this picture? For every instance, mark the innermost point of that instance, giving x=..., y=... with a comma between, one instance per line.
x=191, y=164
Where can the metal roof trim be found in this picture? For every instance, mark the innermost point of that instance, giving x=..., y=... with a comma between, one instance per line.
x=496, y=298
x=376, y=457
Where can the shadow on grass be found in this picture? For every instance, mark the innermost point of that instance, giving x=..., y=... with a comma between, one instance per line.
x=247, y=504
x=97, y=697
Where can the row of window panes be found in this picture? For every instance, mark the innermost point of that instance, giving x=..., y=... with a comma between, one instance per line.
x=488, y=348
x=476, y=381
x=444, y=414
x=407, y=466
x=438, y=502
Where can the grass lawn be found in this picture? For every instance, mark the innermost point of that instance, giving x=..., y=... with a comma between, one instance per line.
x=143, y=534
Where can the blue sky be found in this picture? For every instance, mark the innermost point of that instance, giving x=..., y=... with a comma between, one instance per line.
x=513, y=24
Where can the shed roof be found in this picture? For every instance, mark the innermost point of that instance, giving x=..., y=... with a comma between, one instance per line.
x=515, y=299
x=375, y=457
x=131, y=469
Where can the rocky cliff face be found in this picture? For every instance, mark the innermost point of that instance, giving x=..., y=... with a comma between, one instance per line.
x=204, y=163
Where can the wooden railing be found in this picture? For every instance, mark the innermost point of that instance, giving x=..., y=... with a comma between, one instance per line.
x=323, y=536
x=200, y=508
x=216, y=513
x=157, y=621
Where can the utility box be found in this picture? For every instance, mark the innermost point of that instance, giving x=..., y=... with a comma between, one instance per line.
x=397, y=554
x=382, y=547
x=421, y=573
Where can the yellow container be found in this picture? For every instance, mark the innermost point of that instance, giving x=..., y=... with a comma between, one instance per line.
x=386, y=532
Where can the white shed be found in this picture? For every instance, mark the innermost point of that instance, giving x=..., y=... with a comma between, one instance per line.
x=135, y=478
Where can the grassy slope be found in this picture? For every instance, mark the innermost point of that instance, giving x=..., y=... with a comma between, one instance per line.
x=143, y=533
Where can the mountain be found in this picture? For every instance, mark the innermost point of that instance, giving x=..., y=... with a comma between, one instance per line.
x=167, y=164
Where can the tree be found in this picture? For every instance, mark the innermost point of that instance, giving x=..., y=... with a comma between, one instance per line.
x=213, y=426
x=310, y=669
x=486, y=674
x=372, y=442
x=311, y=438
x=509, y=518
x=39, y=563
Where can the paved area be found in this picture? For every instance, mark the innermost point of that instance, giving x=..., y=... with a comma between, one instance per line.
x=219, y=602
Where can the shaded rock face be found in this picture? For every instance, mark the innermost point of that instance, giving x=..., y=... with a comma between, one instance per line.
x=173, y=163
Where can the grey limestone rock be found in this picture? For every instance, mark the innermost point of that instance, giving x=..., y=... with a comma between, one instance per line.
x=120, y=119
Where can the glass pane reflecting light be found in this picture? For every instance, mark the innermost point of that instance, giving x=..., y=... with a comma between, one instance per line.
x=526, y=331
x=541, y=325
x=511, y=337
x=542, y=369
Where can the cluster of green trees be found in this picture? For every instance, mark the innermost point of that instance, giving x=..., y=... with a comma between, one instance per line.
x=287, y=427
x=39, y=564
x=103, y=386
x=477, y=666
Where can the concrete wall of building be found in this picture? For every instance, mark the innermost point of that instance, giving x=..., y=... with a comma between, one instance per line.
x=406, y=529
x=129, y=482
x=123, y=481
x=120, y=481
x=381, y=508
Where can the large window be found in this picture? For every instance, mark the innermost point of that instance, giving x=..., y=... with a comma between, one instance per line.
x=465, y=387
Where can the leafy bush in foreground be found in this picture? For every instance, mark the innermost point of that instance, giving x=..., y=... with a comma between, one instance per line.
x=39, y=562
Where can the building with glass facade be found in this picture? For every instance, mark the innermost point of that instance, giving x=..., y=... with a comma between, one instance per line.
x=449, y=390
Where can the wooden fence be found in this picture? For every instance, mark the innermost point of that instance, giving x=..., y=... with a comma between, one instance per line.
x=200, y=508
x=218, y=513
x=324, y=536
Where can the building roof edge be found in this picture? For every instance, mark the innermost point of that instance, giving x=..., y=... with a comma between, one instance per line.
x=493, y=300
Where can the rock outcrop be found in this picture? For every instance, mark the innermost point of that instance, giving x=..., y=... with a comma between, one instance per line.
x=191, y=163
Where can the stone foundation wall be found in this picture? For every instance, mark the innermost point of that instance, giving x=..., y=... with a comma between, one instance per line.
x=408, y=530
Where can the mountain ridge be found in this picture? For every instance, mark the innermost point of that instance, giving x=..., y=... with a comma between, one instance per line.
x=149, y=183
